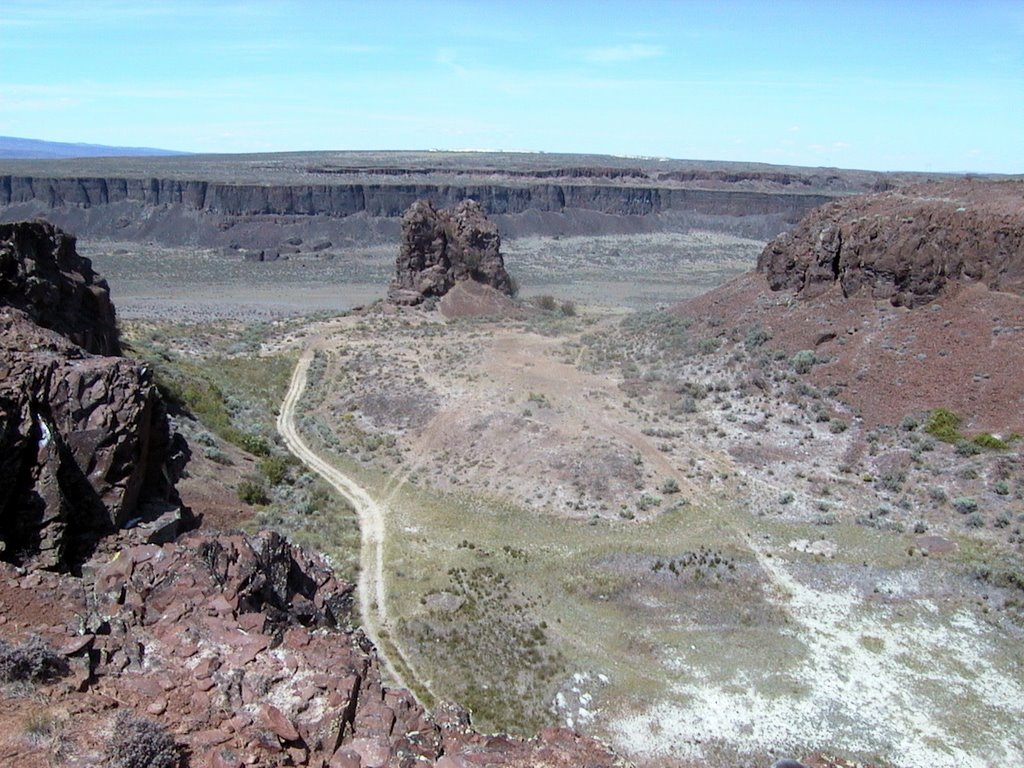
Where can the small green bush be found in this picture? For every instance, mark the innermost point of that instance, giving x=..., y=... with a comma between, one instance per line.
x=965, y=505
x=991, y=442
x=967, y=448
x=217, y=456
x=547, y=303
x=804, y=360
x=708, y=346
x=251, y=491
x=756, y=337
x=273, y=468
x=670, y=486
x=647, y=501
x=944, y=425
x=568, y=309
x=254, y=444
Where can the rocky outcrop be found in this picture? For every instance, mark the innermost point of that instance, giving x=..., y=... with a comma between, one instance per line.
x=43, y=275
x=905, y=246
x=243, y=648
x=85, y=445
x=440, y=248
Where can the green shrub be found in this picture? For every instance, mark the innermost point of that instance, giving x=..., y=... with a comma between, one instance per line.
x=547, y=303
x=909, y=424
x=647, y=501
x=273, y=468
x=568, y=309
x=254, y=444
x=251, y=491
x=893, y=480
x=967, y=448
x=965, y=505
x=986, y=440
x=804, y=360
x=756, y=337
x=670, y=486
x=217, y=456
x=539, y=399
x=944, y=425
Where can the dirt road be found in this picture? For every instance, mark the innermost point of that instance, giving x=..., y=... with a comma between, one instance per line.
x=371, y=583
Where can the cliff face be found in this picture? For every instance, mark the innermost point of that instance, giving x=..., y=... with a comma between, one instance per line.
x=906, y=245
x=85, y=445
x=391, y=200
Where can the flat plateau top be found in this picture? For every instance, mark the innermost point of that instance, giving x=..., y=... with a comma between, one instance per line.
x=428, y=167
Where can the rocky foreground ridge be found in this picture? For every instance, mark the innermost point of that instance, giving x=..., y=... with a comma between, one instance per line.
x=146, y=647
x=85, y=445
x=440, y=248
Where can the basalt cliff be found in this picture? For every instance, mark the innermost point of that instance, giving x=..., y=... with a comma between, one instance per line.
x=85, y=445
x=214, y=201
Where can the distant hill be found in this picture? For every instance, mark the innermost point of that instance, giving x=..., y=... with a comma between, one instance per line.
x=34, y=149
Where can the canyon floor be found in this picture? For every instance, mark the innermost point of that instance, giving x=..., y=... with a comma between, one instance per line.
x=593, y=514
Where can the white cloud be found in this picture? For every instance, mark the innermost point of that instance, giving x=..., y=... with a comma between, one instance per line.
x=617, y=54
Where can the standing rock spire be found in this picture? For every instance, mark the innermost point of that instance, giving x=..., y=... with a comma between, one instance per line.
x=440, y=248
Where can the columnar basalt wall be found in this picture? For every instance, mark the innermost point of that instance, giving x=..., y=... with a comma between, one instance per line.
x=391, y=200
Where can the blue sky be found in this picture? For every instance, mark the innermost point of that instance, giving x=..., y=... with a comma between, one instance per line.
x=930, y=86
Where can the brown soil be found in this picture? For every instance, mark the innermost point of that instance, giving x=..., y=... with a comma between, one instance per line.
x=963, y=351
